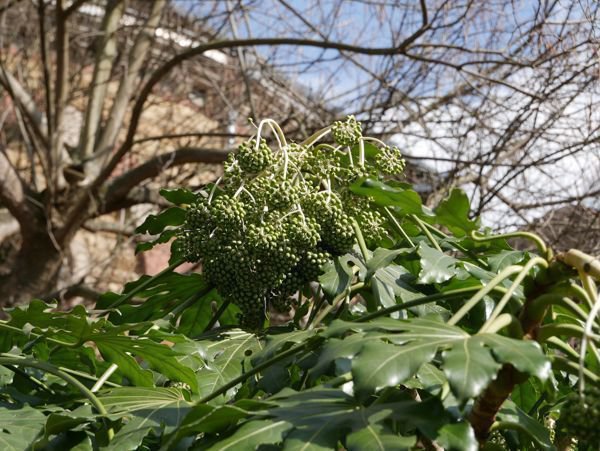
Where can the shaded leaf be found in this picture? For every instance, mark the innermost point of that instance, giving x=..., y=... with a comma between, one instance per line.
x=20, y=427
x=381, y=365
x=145, y=410
x=505, y=258
x=178, y=196
x=377, y=438
x=470, y=368
x=252, y=434
x=336, y=277
x=116, y=349
x=457, y=437
x=453, y=213
x=155, y=224
x=407, y=200
x=525, y=355
x=225, y=358
x=436, y=267
x=164, y=237
x=383, y=257
x=516, y=418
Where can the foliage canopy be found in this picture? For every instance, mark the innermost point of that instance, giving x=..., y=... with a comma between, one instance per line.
x=408, y=328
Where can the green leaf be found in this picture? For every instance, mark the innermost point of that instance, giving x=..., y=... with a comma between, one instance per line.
x=457, y=437
x=453, y=213
x=470, y=368
x=178, y=196
x=225, y=358
x=116, y=349
x=6, y=377
x=397, y=279
x=164, y=237
x=525, y=355
x=380, y=365
x=513, y=417
x=328, y=415
x=406, y=200
x=155, y=224
x=378, y=438
x=20, y=427
x=206, y=418
x=252, y=434
x=436, y=267
x=384, y=293
x=383, y=257
x=163, y=295
x=145, y=410
x=59, y=422
x=505, y=258
x=195, y=318
x=127, y=365
x=336, y=277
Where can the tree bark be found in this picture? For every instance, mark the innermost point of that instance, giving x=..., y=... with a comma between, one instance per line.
x=35, y=270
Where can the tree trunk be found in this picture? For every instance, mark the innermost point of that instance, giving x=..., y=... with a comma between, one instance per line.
x=35, y=270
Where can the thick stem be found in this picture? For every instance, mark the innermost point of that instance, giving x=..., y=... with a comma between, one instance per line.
x=541, y=245
x=397, y=226
x=361, y=240
x=486, y=407
x=466, y=308
x=425, y=231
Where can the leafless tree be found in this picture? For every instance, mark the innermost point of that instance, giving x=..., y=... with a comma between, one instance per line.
x=100, y=98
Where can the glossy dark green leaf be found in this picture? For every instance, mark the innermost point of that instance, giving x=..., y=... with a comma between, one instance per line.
x=469, y=367
x=525, y=355
x=336, y=277
x=515, y=418
x=206, y=418
x=381, y=258
x=453, y=213
x=117, y=349
x=253, y=434
x=63, y=421
x=406, y=200
x=225, y=358
x=178, y=196
x=505, y=258
x=164, y=237
x=331, y=415
x=380, y=365
x=160, y=297
x=155, y=224
x=436, y=267
x=145, y=410
x=377, y=438
x=193, y=320
x=20, y=427
x=397, y=280
x=457, y=437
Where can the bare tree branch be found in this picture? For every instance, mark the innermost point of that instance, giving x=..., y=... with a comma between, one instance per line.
x=105, y=57
x=13, y=194
x=121, y=100
x=123, y=184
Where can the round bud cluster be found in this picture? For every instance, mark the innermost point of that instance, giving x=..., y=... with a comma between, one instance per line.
x=275, y=218
x=389, y=161
x=253, y=158
x=580, y=416
x=348, y=132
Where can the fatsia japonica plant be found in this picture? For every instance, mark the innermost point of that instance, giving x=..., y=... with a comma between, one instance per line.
x=332, y=310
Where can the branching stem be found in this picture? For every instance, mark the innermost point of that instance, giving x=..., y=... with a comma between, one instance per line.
x=502, y=303
x=541, y=245
x=466, y=308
